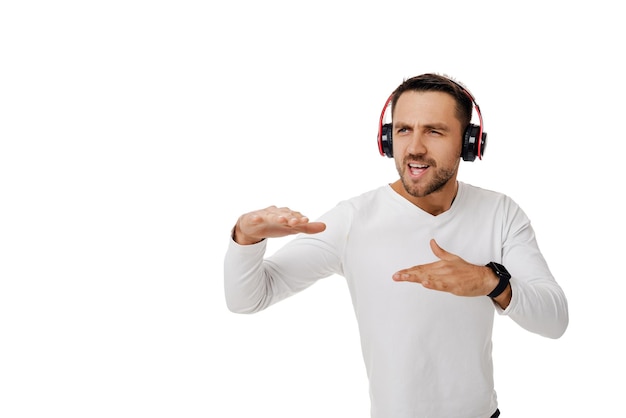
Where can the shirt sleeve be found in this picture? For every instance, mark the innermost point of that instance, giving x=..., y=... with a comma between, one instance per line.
x=538, y=303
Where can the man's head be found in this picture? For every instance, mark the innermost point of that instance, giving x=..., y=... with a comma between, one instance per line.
x=474, y=137
x=429, y=116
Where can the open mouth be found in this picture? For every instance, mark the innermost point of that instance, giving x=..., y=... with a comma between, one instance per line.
x=417, y=169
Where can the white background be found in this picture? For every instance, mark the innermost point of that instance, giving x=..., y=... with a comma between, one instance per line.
x=134, y=133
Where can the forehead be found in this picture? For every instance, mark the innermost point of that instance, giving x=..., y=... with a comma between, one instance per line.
x=425, y=105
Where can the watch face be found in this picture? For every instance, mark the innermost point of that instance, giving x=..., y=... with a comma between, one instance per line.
x=499, y=269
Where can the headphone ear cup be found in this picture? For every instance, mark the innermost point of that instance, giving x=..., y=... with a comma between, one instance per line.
x=386, y=141
x=471, y=148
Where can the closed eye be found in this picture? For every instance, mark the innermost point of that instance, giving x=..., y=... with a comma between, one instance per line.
x=437, y=129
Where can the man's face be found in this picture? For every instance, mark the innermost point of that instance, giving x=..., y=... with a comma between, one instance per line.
x=427, y=141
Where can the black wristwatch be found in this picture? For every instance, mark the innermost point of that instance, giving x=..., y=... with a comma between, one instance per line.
x=503, y=275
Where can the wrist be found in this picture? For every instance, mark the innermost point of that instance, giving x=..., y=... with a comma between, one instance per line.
x=504, y=298
x=241, y=238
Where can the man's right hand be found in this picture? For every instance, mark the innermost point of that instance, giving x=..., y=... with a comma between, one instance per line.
x=273, y=222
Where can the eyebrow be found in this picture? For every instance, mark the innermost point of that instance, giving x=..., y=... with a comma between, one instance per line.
x=428, y=126
x=437, y=126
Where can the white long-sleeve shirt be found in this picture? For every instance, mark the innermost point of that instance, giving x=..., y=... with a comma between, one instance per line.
x=427, y=353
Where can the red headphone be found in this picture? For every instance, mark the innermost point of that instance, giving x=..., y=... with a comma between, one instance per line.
x=472, y=147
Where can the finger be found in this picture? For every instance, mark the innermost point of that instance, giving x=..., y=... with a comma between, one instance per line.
x=405, y=276
x=259, y=222
x=314, y=227
x=287, y=216
x=296, y=219
x=297, y=222
x=438, y=251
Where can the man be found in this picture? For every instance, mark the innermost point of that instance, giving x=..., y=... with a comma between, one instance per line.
x=428, y=261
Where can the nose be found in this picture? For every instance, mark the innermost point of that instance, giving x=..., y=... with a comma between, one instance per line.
x=416, y=144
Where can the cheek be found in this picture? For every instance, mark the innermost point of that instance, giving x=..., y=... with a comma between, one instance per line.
x=403, y=145
x=396, y=147
x=397, y=158
x=450, y=150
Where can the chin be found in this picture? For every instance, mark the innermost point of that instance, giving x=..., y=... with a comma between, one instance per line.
x=425, y=188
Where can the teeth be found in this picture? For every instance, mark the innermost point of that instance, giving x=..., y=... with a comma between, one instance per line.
x=417, y=165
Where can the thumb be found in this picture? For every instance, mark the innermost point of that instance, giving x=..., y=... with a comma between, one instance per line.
x=438, y=251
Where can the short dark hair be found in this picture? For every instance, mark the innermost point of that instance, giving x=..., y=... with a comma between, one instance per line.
x=436, y=82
